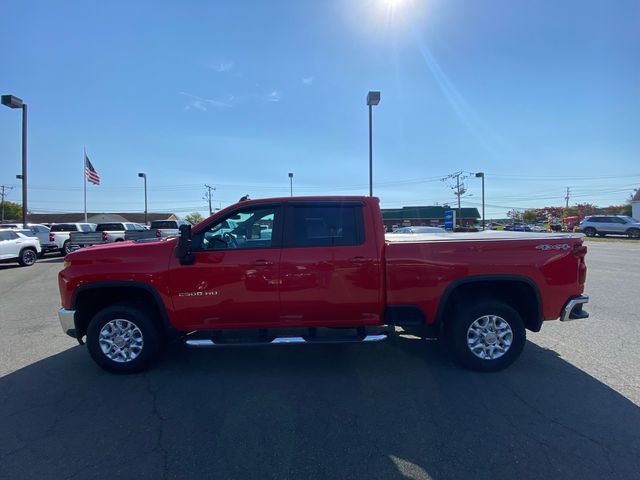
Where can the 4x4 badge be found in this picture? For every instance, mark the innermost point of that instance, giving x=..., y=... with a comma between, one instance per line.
x=557, y=246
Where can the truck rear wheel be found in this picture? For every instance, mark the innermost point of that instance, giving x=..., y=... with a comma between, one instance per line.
x=66, y=248
x=486, y=336
x=123, y=339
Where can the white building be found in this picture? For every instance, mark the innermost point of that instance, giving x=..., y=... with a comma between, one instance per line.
x=635, y=205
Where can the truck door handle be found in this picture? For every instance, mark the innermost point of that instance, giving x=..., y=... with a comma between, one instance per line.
x=262, y=263
x=359, y=260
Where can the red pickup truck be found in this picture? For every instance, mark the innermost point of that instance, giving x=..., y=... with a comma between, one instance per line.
x=318, y=269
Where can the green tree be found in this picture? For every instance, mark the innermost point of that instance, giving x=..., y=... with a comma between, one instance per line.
x=515, y=215
x=530, y=216
x=12, y=211
x=194, y=218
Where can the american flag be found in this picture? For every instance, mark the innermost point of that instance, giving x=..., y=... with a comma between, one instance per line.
x=90, y=172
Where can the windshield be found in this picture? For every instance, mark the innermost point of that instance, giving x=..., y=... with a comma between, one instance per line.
x=163, y=224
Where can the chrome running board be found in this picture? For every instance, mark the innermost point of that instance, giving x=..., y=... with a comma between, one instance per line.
x=207, y=342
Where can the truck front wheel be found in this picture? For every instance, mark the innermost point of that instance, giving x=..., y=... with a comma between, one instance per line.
x=486, y=336
x=123, y=339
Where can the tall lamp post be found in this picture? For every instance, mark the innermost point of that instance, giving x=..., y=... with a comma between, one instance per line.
x=481, y=175
x=144, y=175
x=373, y=98
x=15, y=102
x=291, y=183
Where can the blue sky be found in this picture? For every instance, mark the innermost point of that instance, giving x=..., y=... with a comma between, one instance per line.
x=539, y=95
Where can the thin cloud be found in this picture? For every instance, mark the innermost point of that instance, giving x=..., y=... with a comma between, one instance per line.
x=307, y=80
x=274, y=96
x=222, y=67
x=205, y=104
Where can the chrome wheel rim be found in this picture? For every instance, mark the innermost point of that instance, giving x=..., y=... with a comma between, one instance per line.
x=121, y=340
x=67, y=248
x=489, y=337
x=29, y=257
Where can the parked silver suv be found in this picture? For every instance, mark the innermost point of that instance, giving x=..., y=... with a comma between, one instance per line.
x=610, y=224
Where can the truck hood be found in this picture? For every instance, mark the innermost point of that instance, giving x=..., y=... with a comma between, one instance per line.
x=124, y=250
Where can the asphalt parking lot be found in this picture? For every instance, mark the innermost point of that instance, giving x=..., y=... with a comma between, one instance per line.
x=569, y=408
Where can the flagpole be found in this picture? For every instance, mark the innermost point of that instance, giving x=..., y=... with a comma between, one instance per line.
x=84, y=176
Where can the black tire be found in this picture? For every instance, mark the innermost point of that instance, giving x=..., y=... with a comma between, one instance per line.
x=27, y=257
x=590, y=232
x=634, y=233
x=457, y=332
x=149, y=332
x=66, y=248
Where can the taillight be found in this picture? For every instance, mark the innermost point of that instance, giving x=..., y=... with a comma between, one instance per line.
x=580, y=251
x=105, y=236
x=158, y=234
x=52, y=237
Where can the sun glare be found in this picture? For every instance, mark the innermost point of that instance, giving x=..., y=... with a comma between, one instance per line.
x=393, y=8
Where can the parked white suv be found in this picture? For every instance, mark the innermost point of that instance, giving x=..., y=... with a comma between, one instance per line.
x=59, y=234
x=35, y=230
x=16, y=247
x=610, y=224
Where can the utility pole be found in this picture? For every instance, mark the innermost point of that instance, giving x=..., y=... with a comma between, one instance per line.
x=3, y=194
x=207, y=196
x=459, y=189
x=567, y=199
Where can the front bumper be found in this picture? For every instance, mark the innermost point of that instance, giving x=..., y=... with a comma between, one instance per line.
x=67, y=321
x=573, y=309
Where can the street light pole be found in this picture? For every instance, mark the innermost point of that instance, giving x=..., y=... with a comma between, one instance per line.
x=15, y=102
x=291, y=184
x=373, y=98
x=144, y=176
x=481, y=174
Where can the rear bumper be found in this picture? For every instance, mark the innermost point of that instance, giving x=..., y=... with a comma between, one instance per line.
x=573, y=309
x=67, y=321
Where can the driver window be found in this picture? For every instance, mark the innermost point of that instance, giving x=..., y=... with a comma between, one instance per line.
x=246, y=228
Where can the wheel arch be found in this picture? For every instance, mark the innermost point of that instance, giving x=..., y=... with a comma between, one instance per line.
x=87, y=300
x=520, y=292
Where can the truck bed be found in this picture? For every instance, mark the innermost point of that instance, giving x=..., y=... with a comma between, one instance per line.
x=420, y=267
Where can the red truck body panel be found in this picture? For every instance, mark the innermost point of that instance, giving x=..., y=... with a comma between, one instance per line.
x=324, y=286
x=419, y=273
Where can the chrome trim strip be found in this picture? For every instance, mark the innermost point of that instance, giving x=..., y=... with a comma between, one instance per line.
x=288, y=340
x=375, y=338
x=67, y=321
x=571, y=304
x=200, y=343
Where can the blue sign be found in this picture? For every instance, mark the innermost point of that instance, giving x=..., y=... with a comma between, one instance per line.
x=449, y=219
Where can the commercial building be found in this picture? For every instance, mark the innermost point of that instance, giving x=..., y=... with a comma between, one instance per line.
x=426, y=216
x=97, y=217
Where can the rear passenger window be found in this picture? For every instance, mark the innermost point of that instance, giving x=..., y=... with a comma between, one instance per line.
x=63, y=227
x=326, y=226
x=163, y=224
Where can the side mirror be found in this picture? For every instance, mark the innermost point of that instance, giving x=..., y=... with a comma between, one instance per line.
x=183, y=247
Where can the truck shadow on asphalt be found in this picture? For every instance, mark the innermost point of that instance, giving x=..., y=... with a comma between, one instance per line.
x=393, y=410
